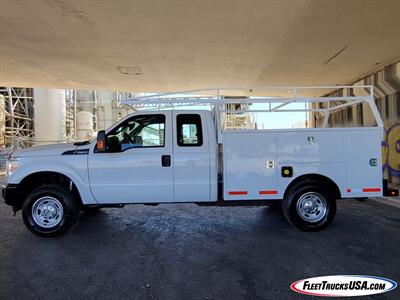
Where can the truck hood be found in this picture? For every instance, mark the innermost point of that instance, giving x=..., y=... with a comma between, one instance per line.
x=50, y=150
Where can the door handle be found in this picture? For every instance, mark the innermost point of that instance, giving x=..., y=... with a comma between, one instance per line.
x=166, y=160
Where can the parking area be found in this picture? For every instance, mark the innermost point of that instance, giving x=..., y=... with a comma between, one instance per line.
x=190, y=252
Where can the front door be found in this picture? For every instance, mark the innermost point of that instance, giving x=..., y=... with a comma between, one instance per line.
x=137, y=166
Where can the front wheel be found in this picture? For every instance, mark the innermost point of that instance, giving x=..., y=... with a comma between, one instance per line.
x=50, y=211
x=309, y=206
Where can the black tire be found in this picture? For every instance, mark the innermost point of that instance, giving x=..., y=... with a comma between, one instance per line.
x=67, y=219
x=301, y=191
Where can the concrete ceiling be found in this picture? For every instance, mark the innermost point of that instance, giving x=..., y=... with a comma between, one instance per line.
x=181, y=45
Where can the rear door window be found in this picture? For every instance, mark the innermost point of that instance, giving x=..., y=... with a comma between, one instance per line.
x=189, y=129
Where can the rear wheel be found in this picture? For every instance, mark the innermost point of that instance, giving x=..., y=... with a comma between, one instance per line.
x=309, y=206
x=50, y=211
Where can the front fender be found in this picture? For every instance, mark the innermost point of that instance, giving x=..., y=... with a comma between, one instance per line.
x=72, y=166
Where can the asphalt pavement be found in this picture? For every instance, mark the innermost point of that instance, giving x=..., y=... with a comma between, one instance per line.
x=188, y=252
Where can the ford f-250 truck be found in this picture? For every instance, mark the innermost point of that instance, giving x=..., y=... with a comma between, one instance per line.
x=174, y=156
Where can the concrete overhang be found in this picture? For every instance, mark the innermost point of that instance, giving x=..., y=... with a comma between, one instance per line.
x=179, y=45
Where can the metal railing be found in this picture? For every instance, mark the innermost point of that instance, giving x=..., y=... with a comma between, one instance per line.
x=268, y=100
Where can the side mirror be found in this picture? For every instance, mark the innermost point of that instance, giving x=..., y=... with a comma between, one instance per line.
x=101, y=141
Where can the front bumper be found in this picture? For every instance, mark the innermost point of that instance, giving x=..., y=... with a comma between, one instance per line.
x=12, y=196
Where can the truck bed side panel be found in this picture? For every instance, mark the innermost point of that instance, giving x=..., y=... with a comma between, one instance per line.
x=245, y=171
x=341, y=154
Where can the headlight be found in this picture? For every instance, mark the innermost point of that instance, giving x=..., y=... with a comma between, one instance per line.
x=11, y=165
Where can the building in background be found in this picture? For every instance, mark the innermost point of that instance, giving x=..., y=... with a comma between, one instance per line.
x=90, y=111
x=41, y=116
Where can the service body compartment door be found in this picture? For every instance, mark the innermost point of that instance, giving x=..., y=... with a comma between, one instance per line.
x=250, y=165
x=191, y=157
x=138, y=168
x=364, y=162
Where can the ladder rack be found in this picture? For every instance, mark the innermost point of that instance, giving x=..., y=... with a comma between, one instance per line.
x=218, y=99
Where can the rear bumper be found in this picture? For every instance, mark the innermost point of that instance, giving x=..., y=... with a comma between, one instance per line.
x=11, y=195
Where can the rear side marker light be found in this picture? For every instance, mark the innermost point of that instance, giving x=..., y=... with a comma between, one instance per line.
x=371, y=190
x=237, y=193
x=271, y=192
x=364, y=190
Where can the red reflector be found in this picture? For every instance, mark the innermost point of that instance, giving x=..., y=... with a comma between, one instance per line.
x=349, y=190
x=371, y=190
x=237, y=193
x=271, y=192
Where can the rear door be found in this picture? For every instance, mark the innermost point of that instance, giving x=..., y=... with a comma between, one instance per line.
x=191, y=157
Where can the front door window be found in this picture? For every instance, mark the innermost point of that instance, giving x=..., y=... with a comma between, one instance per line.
x=141, y=131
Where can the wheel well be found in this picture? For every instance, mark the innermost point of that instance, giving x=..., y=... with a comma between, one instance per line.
x=327, y=182
x=35, y=180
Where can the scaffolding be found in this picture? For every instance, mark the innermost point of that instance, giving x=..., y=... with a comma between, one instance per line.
x=19, y=124
x=71, y=111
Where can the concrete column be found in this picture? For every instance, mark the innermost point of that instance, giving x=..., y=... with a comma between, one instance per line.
x=105, y=112
x=49, y=116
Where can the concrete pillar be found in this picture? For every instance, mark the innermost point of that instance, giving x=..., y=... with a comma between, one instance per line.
x=49, y=116
x=105, y=116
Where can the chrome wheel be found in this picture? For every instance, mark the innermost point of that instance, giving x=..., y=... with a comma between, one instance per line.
x=312, y=207
x=47, y=212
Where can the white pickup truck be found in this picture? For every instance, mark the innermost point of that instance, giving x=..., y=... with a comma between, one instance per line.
x=175, y=156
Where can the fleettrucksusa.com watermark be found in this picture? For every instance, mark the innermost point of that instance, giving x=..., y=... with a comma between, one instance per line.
x=353, y=285
x=343, y=285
